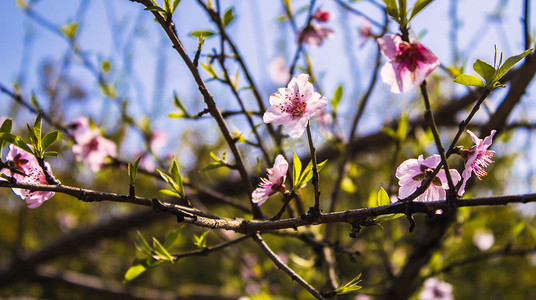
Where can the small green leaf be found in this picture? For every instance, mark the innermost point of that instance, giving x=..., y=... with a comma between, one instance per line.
x=392, y=8
x=296, y=170
x=202, y=33
x=350, y=287
x=383, y=197
x=106, y=66
x=133, y=170
x=172, y=238
x=418, y=7
x=201, y=241
x=177, y=102
x=510, y=63
x=155, y=8
x=175, y=4
x=337, y=96
x=485, y=70
x=388, y=217
x=108, y=90
x=169, y=193
x=37, y=131
x=167, y=6
x=70, y=30
x=50, y=153
x=15, y=140
x=209, y=70
x=142, y=243
x=161, y=251
x=228, y=17
x=402, y=130
x=6, y=125
x=469, y=80
x=134, y=271
x=50, y=138
x=176, y=175
x=212, y=166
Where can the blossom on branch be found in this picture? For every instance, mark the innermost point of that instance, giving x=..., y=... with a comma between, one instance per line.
x=435, y=289
x=294, y=105
x=413, y=172
x=275, y=182
x=26, y=163
x=476, y=159
x=408, y=64
x=91, y=148
x=322, y=15
x=315, y=35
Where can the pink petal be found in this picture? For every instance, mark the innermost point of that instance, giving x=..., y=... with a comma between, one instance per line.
x=389, y=45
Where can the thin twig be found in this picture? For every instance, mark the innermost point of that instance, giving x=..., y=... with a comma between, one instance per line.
x=281, y=265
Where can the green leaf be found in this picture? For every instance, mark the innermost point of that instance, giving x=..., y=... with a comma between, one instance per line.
x=175, y=4
x=388, y=217
x=201, y=241
x=228, y=17
x=155, y=8
x=202, y=33
x=296, y=170
x=419, y=6
x=134, y=271
x=350, y=287
x=37, y=132
x=15, y=140
x=485, y=70
x=172, y=238
x=469, y=80
x=337, y=96
x=160, y=251
x=167, y=6
x=510, y=63
x=6, y=126
x=142, y=244
x=176, y=175
x=209, y=70
x=177, y=102
x=108, y=90
x=392, y=8
x=106, y=66
x=50, y=153
x=133, y=170
x=212, y=166
x=70, y=30
x=307, y=174
x=402, y=130
x=50, y=138
x=383, y=197
x=169, y=193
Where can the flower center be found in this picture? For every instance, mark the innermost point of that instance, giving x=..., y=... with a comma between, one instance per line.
x=409, y=56
x=294, y=105
x=427, y=173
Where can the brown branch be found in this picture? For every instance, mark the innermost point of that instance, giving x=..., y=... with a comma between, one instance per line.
x=281, y=265
x=169, y=28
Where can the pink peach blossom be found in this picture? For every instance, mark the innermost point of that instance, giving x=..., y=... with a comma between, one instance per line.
x=26, y=163
x=275, y=182
x=435, y=289
x=476, y=158
x=408, y=64
x=412, y=172
x=293, y=106
x=278, y=71
x=90, y=148
x=315, y=35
